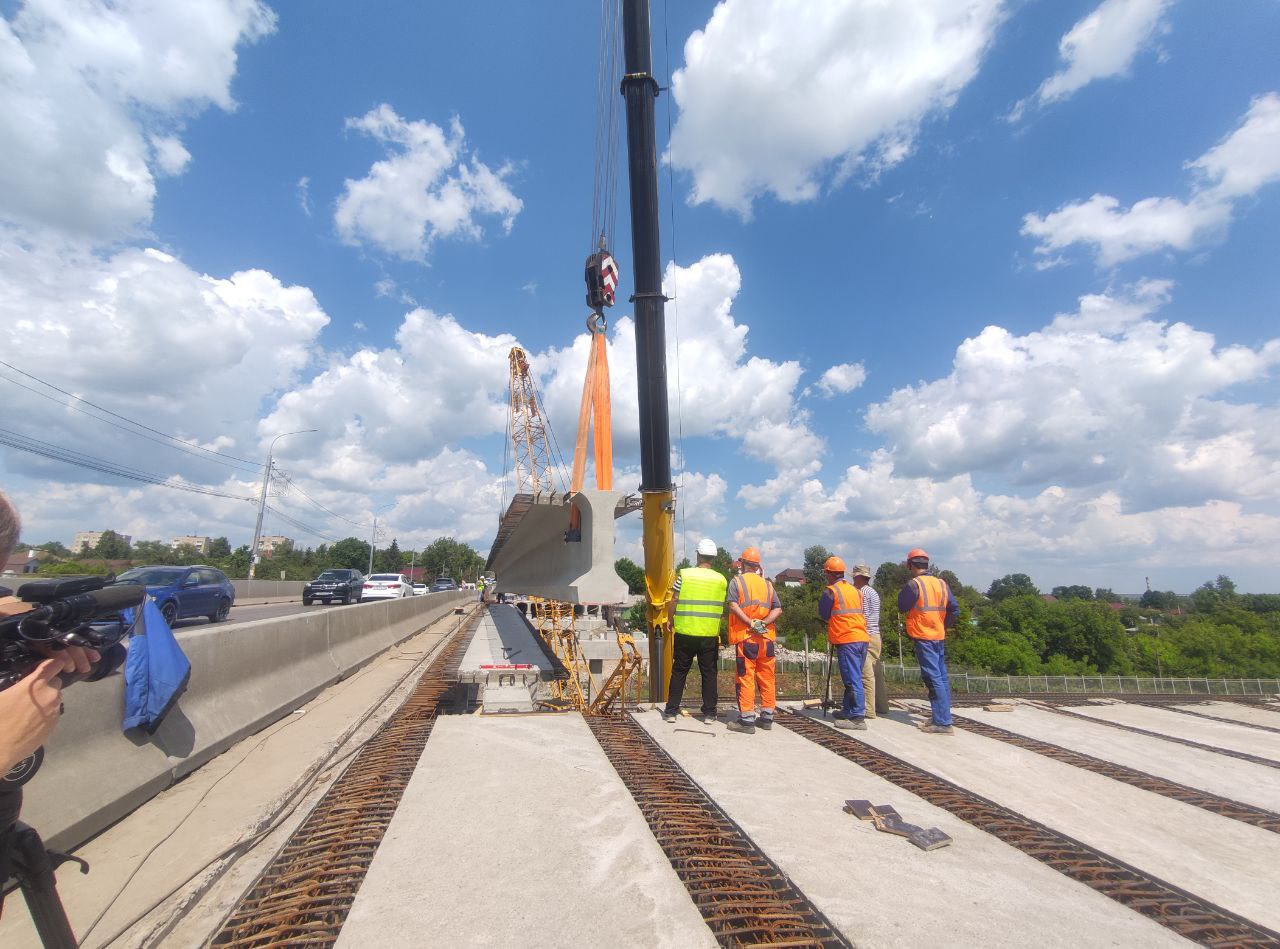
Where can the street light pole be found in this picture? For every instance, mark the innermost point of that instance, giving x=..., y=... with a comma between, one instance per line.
x=262, y=497
x=373, y=536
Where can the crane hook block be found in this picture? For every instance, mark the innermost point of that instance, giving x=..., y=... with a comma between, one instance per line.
x=602, y=279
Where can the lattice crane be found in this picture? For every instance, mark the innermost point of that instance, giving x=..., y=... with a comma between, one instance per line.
x=528, y=430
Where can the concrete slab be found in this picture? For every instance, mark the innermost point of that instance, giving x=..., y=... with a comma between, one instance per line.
x=787, y=793
x=178, y=835
x=1222, y=860
x=1219, y=734
x=518, y=832
x=1238, y=712
x=502, y=638
x=1229, y=777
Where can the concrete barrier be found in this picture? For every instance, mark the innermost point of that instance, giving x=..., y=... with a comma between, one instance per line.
x=246, y=589
x=243, y=677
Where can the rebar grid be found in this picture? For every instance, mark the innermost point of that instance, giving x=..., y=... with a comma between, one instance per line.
x=303, y=896
x=1184, y=913
x=744, y=898
x=1245, y=813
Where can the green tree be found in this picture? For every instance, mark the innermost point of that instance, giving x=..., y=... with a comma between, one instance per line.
x=814, y=558
x=388, y=559
x=1158, y=600
x=153, y=551
x=49, y=546
x=111, y=546
x=1013, y=584
x=1076, y=592
x=351, y=553
x=219, y=547
x=1104, y=595
x=631, y=573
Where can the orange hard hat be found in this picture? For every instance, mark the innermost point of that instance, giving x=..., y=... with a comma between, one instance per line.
x=752, y=554
x=833, y=565
x=916, y=554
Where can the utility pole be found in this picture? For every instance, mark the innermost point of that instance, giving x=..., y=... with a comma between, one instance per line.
x=262, y=497
x=640, y=89
x=373, y=536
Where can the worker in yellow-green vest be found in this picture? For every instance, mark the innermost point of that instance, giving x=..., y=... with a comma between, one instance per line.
x=698, y=604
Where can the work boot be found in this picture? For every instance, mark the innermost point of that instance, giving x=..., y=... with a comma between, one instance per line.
x=668, y=716
x=765, y=723
x=852, y=724
x=838, y=714
x=933, y=729
x=738, y=725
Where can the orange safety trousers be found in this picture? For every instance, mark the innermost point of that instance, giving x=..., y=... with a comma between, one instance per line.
x=756, y=664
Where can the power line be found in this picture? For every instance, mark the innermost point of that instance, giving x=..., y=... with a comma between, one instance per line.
x=155, y=431
x=293, y=484
x=305, y=528
x=81, y=460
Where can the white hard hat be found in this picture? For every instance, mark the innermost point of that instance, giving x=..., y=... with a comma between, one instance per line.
x=706, y=547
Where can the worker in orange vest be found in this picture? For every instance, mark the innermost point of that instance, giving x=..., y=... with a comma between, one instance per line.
x=754, y=607
x=841, y=607
x=930, y=609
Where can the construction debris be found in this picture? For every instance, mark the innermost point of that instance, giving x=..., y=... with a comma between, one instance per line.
x=887, y=819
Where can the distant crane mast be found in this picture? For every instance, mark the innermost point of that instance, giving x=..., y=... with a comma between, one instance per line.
x=528, y=430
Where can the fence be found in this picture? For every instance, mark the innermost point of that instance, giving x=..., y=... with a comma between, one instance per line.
x=994, y=684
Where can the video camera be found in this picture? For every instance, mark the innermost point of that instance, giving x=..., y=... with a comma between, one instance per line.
x=60, y=614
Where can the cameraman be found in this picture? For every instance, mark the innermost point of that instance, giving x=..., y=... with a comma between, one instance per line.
x=30, y=709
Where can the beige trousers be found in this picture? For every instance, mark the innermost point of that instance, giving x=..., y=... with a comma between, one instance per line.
x=869, y=674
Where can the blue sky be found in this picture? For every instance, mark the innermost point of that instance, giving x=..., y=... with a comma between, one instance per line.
x=993, y=278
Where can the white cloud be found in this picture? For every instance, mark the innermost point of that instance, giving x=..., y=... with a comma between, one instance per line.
x=304, y=195
x=841, y=379
x=1101, y=45
x=778, y=96
x=94, y=95
x=429, y=187
x=1239, y=166
x=1105, y=396
x=1249, y=157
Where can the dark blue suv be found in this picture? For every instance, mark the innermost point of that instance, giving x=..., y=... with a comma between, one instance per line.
x=183, y=592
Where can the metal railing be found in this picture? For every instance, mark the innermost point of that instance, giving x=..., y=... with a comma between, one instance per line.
x=982, y=684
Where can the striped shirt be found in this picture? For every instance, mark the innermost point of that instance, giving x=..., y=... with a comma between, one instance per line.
x=871, y=609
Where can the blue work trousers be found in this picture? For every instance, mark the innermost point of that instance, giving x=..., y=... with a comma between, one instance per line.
x=932, y=656
x=851, y=657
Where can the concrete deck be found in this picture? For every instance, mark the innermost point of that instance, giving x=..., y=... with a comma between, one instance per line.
x=517, y=831
x=502, y=638
x=787, y=793
x=1238, y=780
x=1218, y=734
x=1223, y=860
x=1237, y=711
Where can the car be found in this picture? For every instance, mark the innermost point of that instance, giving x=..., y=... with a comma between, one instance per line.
x=340, y=584
x=444, y=583
x=419, y=589
x=184, y=592
x=387, y=586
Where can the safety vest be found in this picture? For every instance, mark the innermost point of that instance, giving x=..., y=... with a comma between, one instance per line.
x=701, y=602
x=927, y=619
x=756, y=600
x=848, y=622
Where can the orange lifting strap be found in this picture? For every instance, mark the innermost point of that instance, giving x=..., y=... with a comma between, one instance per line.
x=595, y=406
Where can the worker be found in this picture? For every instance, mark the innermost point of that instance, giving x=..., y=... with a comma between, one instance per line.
x=871, y=610
x=480, y=587
x=697, y=607
x=841, y=607
x=930, y=609
x=754, y=608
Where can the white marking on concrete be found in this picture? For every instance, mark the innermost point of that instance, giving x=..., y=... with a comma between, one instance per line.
x=1219, y=734
x=1238, y=780
x=1222, y=860
x=788, y=794
x=518, y=832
